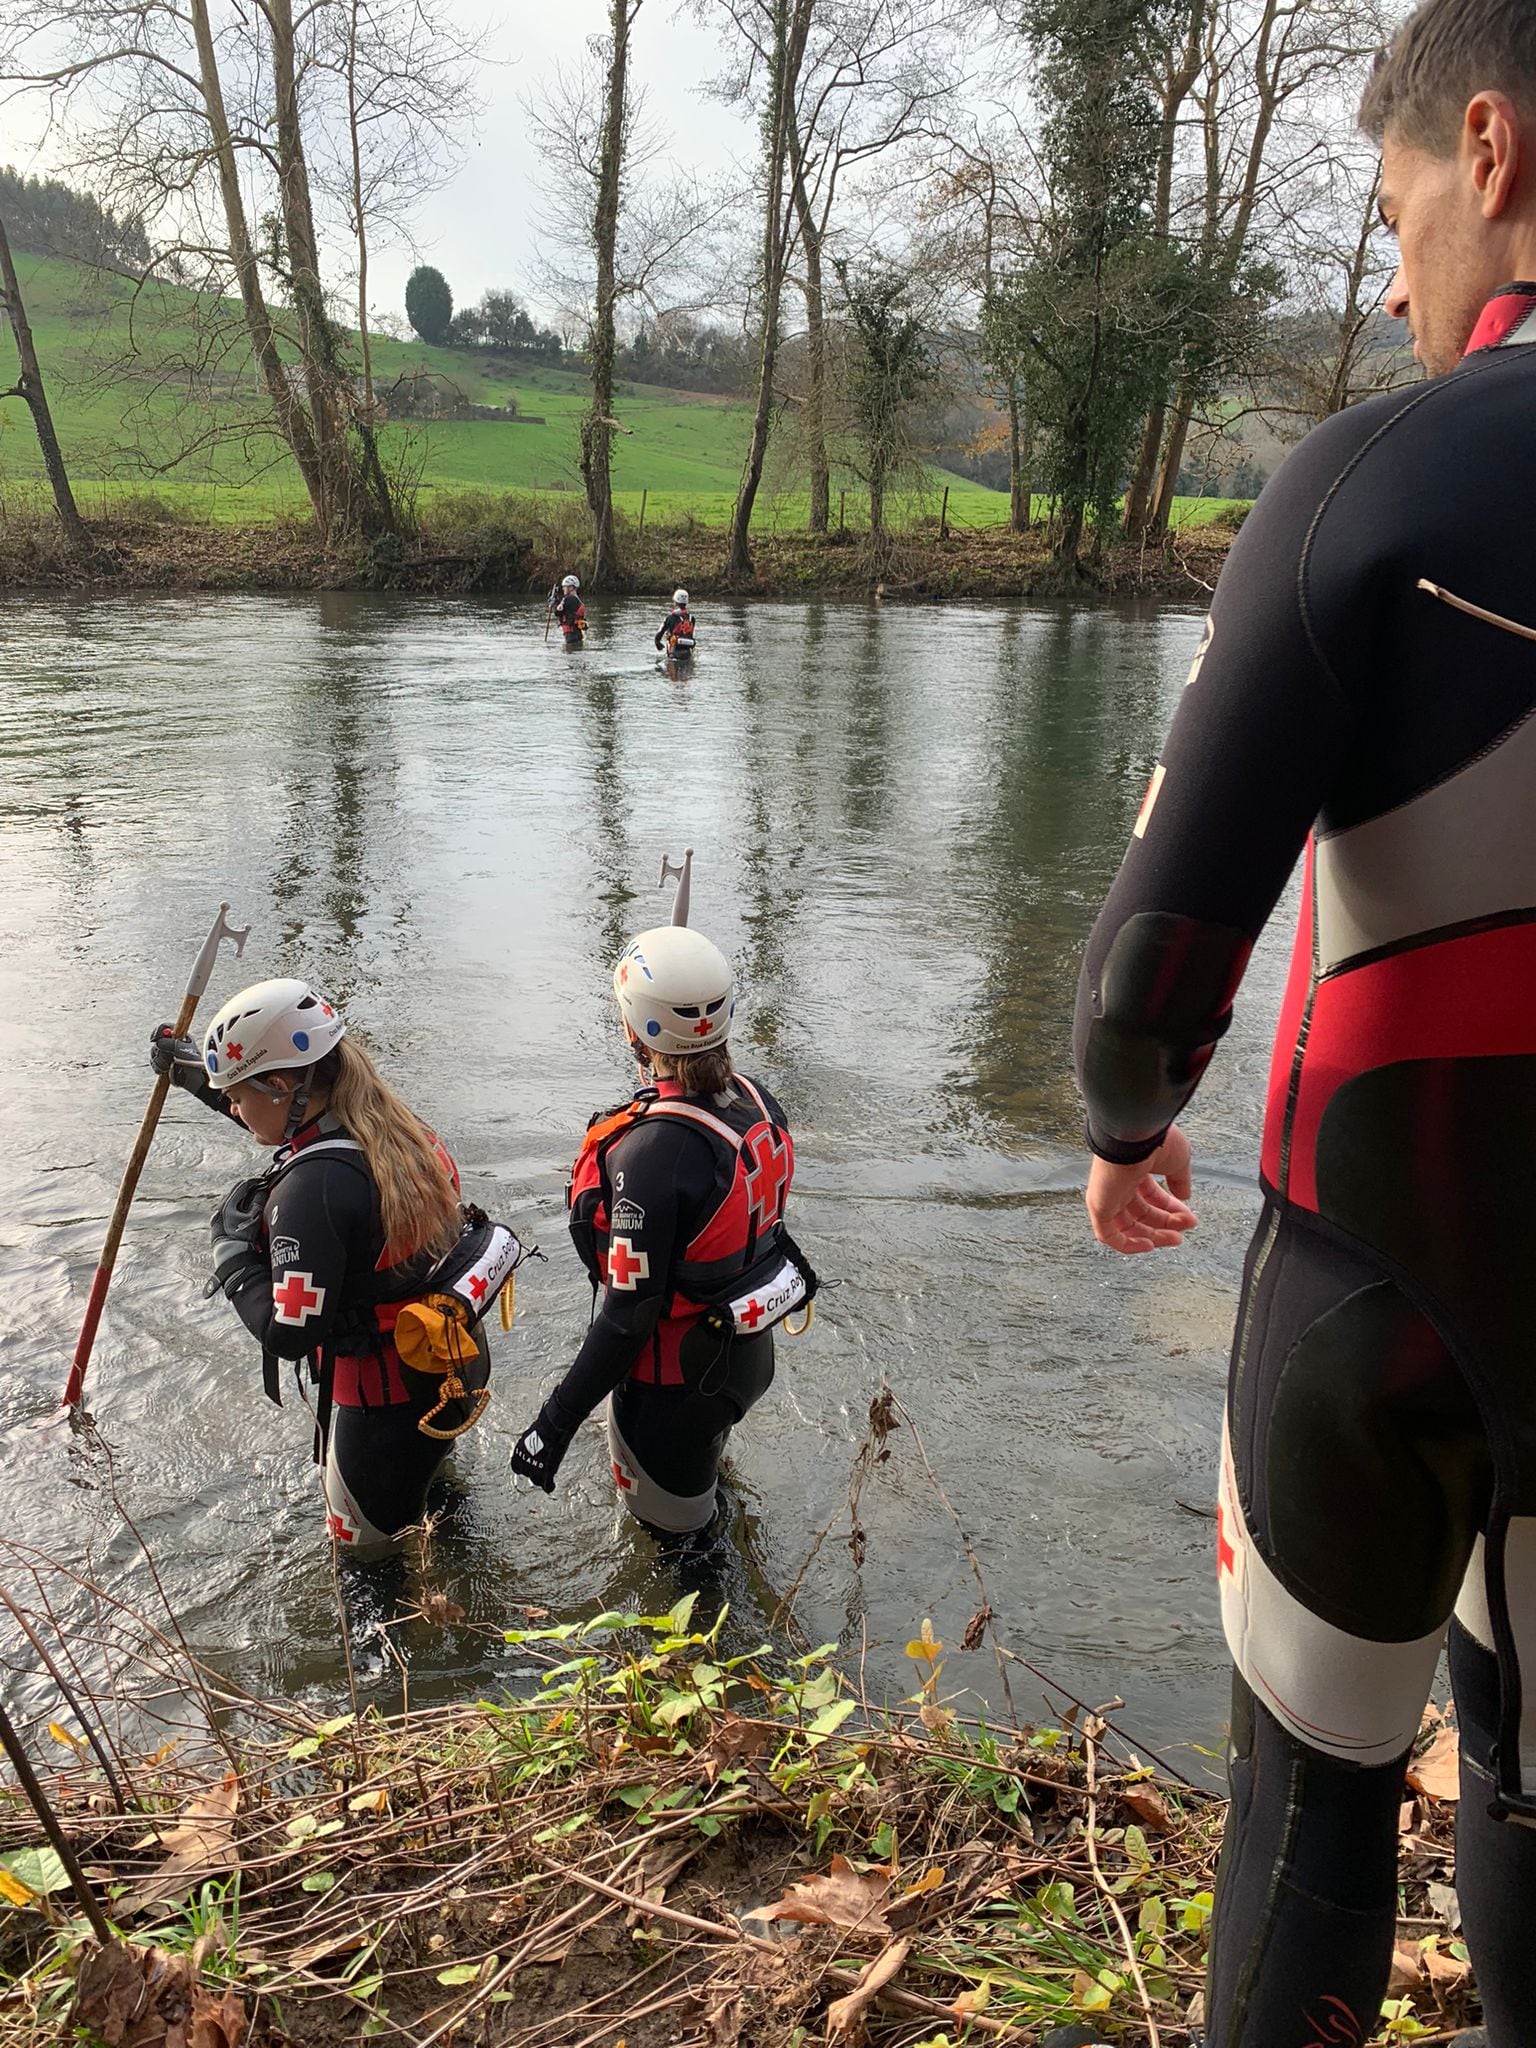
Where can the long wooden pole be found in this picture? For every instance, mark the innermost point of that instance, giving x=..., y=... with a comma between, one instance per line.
x=202, y=969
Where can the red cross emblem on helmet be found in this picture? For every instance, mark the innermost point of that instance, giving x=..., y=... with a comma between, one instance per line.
x=233, y=1051
x=704, y=1027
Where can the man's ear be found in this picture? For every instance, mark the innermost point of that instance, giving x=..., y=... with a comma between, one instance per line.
x=1496, y=136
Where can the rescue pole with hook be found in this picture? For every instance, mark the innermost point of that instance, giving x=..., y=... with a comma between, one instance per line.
x=201, y=972
x=681, y=873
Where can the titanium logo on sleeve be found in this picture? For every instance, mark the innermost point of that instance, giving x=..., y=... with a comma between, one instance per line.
x=285, y=1251
x=627, y=1215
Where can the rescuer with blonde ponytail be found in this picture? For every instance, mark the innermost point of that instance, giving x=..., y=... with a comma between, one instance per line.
x=348, y=1235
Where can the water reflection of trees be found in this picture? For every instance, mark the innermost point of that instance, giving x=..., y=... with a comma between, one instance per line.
x=611, y=850
x=337, y=863
x=1076, y=717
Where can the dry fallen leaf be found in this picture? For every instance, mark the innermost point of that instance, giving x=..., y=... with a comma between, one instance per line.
x=841, y=1897
x=342, y=1942
x=731, y=1740
x=1407, y=1971
x=375, y=1800
x=976, y=1629
x=435, y=1606
x=146, y=1998
x=1444, y=1971
x=202, y=1844
x=1437, y=1773
x=844, y=2014
x=1149, y=1807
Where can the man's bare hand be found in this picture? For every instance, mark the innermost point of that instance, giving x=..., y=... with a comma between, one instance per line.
x=1131, y=1208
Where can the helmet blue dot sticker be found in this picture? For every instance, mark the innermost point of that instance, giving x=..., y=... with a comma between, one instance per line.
x=301, y=1040
x=213, y=1063
x=652, y=1027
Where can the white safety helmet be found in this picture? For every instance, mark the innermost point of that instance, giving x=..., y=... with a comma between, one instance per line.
x=674, y=989
x=570, y=583
x=269, y=1028
x=680, y=597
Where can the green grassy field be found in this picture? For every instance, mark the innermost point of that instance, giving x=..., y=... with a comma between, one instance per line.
x=110, y=359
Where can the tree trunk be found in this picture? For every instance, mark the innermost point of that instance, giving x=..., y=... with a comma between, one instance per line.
x=597, y=427
x=1173, y=462
x=1018, y=479
x=791, y=26
x=360, y=225
x=815, y=344
x=877, y=500
x=356, y=491
x=1138, y=499
x=293, y=422
x=29, y=386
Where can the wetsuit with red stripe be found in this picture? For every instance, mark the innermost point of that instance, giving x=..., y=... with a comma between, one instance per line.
x=1379, y=1468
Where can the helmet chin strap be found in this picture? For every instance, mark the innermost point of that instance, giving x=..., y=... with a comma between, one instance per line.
x=297, y=1107
x=298, y=1102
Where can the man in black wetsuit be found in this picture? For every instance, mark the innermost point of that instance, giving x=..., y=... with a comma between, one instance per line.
x=1365, y=690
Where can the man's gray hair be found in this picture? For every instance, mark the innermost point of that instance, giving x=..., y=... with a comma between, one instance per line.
x=1444, y=53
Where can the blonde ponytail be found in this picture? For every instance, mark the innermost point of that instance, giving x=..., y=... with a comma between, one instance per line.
x=417, y=1201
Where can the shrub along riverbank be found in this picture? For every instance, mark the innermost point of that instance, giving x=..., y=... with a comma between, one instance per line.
x=653, y=1844
x=480, y=542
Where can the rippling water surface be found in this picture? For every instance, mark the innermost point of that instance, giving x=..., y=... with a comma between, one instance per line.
x=904, y=820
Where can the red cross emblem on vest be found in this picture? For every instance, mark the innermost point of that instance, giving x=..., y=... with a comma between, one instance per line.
x=753, y=1313
x=477, y=1285
x=767, y=1158
x=339, y=1530
x=295, y=1298
x=626, y=1265
x=621, y=1478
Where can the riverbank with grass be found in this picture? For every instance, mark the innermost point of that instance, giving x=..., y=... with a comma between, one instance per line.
x=644, y=1842
x=483, y=542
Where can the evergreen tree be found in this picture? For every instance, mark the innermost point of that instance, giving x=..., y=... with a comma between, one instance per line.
x=429, y=304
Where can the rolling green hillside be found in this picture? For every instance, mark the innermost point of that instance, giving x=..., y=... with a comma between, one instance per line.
x=118, y=375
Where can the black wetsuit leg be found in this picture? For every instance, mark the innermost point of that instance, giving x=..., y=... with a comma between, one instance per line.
x=1495, y=1859
x=666, y=1442
x=1357, y=1480
x=379, y=1465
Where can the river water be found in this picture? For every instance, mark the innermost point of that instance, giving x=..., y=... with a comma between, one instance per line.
x=904, y=820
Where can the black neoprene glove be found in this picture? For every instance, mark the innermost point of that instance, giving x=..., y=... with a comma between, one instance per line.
x=236, y=1233
x=540, y=1450
x=658, y=643
x=178, y=1057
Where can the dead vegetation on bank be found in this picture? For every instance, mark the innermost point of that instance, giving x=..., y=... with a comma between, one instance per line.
x=644, y=1842
x=485, y=543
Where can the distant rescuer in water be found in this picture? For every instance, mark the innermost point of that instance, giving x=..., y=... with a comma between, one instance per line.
x=329, y=1256
x=1365, y=690
x=677, y=1211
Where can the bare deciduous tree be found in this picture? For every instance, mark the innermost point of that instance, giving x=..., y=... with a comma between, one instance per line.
x=30, y=389
x=616, y=234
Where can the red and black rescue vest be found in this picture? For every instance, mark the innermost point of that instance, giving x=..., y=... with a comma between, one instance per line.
x=742, y=1239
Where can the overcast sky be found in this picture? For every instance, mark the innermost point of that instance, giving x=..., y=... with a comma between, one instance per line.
x=482, y=229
